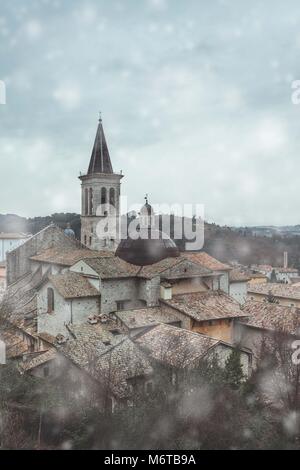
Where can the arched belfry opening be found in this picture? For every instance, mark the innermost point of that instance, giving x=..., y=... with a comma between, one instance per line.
x=103, y=195
x=91, y=201
x=112, y=193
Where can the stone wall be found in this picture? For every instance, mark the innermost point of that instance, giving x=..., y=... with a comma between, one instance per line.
x=68, y=311
x=149, y=291
x=90, y=219
x=238, y=291
x=114, y=290
x=186, y=321
x=18, y=260
x=219, y=329
x=188, y=286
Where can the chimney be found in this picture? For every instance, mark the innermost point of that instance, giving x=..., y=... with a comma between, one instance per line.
x=285, y=259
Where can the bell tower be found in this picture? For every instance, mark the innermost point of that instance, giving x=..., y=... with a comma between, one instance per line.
x=100, y=197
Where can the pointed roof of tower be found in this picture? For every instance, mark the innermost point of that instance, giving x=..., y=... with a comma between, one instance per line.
x=100, y=159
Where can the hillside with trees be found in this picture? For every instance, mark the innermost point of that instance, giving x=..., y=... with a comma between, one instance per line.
x=224, y=243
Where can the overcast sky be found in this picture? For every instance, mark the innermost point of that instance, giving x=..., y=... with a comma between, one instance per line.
x=195, y=97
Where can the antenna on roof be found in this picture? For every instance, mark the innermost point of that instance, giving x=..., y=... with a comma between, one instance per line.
x=100, y=116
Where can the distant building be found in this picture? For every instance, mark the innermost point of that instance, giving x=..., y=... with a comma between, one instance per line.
x=10, y=241
x=282, y=294
x=264, y=319
x=283, y=274
x=238, y=285
x=256, y=278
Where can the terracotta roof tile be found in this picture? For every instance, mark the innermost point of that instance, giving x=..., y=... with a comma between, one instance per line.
x=204, y=259
x=277, y=290
x=235, y=275
x=272, y=316
x=38, y=359
x=109, y=359
x=174, y=346
x=15, y=346
x=112, y=267
x=144, y=317
x=72, y=285
x=68, y=257
x=204, y=306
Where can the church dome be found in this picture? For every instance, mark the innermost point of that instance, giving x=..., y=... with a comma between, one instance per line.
x=152, y=246
x=69, y=232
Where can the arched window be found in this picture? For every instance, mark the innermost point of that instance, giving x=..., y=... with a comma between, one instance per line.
x=112, y=197
x=86, y=201
x=103, y=196
x=91, y=201
x=50, y=299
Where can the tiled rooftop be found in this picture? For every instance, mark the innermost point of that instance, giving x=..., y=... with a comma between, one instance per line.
x=203, y=306
x=159, y=267
x=278, y=290
x=170, y=267
x=205, y=260
x=235, y=275
x=272, y=316
x=112, y=267
x=144, y=317
x=72, y=285
x=38, y=359
x=15, y=346
x=174, y=346
x=107, y=358
x=69, y=256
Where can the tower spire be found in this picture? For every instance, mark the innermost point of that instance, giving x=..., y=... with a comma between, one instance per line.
x=100, y=160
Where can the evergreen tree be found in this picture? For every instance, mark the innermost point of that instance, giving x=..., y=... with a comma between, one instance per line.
x=271, y=298
x=233, y=372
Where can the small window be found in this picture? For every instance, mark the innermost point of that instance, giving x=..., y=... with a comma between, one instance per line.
x=90, y=241
x=115, y=332
x=46, y=371
x=120, y=305
x=85, y=239
x=50, y=299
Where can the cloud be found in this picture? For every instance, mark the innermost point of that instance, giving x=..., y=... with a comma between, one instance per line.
x=196, y=103
x=33, y=29
x=68, y=95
